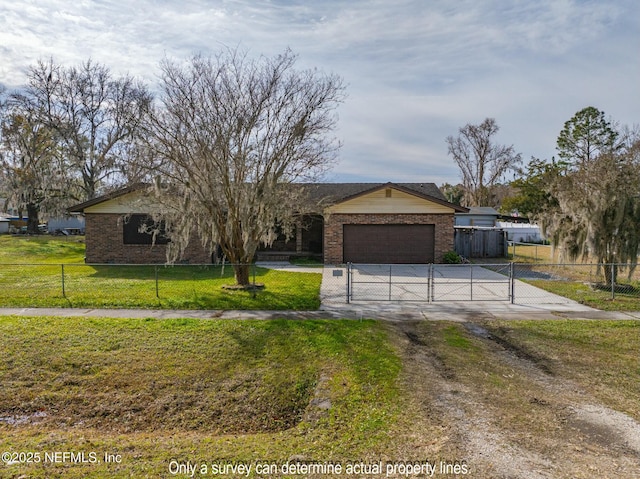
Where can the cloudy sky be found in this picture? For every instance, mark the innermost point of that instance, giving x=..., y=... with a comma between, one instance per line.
x=416, y=70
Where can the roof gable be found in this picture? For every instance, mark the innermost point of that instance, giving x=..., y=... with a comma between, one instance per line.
x=79, y=208
x=391, y=198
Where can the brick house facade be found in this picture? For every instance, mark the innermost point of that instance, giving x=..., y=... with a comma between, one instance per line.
x=334, y=227
x=402, y=209
x=104, y=235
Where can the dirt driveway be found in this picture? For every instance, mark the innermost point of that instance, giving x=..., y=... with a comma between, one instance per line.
x=507, y=413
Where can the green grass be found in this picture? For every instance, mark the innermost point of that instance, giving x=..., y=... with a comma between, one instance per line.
x=41, y=249
x=595, y=298
x=531, y=253
x=32, y=272
x=217, y=391
x=200, y=390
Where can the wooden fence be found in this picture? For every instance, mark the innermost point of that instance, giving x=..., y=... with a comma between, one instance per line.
x=480, y=242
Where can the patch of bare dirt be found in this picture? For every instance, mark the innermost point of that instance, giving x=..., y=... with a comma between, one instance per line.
x=525, y=422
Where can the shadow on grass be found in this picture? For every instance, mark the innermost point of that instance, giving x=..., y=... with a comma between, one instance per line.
x=627, y=298
x=173, y=272
x=176, y=287
x=618, y=288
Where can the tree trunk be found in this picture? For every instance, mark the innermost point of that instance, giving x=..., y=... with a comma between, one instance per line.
x=610, y=273
x=32, y=220
x=242, y=274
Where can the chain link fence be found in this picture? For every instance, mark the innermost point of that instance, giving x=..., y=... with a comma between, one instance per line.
x=193, y=286
x=107, y=285
x=518, y=251
x=428, y=283
x=519, y=283
x=578, y=282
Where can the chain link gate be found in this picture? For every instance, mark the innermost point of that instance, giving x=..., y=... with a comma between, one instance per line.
x=430, y=282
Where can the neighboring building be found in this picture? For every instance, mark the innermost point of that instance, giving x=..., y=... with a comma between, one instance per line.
x=73, y=224
x=354, y=222
x=4, y=224
x=522, y=232
x=483, y=216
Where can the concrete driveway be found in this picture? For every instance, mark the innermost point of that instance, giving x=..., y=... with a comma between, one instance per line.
x=460, y=292
x=407, y=287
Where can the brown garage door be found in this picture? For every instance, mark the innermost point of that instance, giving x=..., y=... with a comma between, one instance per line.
x=388, y=243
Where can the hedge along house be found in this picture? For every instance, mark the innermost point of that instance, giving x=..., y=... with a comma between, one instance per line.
x=352, y=222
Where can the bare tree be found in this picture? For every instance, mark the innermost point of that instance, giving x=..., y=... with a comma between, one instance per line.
x=453, y=193
x=95, y=115
x=232, y=135
x=31, y=168
x=482, y=163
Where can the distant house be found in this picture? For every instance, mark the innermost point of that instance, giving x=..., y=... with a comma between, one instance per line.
x=522, y=232
x=64, y=225
x=354, y=222
x=477, y=216
x=4, y=225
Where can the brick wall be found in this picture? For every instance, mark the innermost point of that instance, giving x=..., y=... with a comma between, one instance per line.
x=334, y=222
x=104, y=240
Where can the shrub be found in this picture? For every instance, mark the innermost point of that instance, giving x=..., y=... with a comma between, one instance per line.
x=451, y=257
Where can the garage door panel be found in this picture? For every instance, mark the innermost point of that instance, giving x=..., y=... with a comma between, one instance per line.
x=397, y=243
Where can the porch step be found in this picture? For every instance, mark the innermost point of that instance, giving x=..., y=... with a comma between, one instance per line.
x=283, y=255
x=272, y=256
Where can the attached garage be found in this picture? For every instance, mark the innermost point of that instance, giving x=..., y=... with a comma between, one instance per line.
x=351, y=222
x=410, y=223
x=389, y=243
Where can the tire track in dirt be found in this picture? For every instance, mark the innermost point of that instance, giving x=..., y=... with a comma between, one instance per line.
x=574, y=436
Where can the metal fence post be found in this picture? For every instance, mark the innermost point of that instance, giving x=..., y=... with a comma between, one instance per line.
x=254, y=289
x=613, y=281
x=429, y=282
x=471, y=282
x=390, y=279
x=348, y=283
x=64, y=293
x=432, y=292
x=512, y=283
x=155, y=267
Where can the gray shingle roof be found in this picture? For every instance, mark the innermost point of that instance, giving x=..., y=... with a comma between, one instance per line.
x=326, y=194
x=336, y=192
x=319, y=194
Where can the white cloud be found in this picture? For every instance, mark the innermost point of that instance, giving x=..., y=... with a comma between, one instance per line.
x=416, y=70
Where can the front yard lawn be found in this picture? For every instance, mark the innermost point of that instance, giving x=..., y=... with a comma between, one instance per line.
x=144, y=395
x=41, y=249
x=151, y=391
x=595, y=298
x=48, y=271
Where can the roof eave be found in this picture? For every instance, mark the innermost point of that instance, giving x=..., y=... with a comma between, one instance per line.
x=389, y=184
x=80, y=207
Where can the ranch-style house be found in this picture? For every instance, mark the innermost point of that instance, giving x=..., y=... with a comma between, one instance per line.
x=354, y=222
